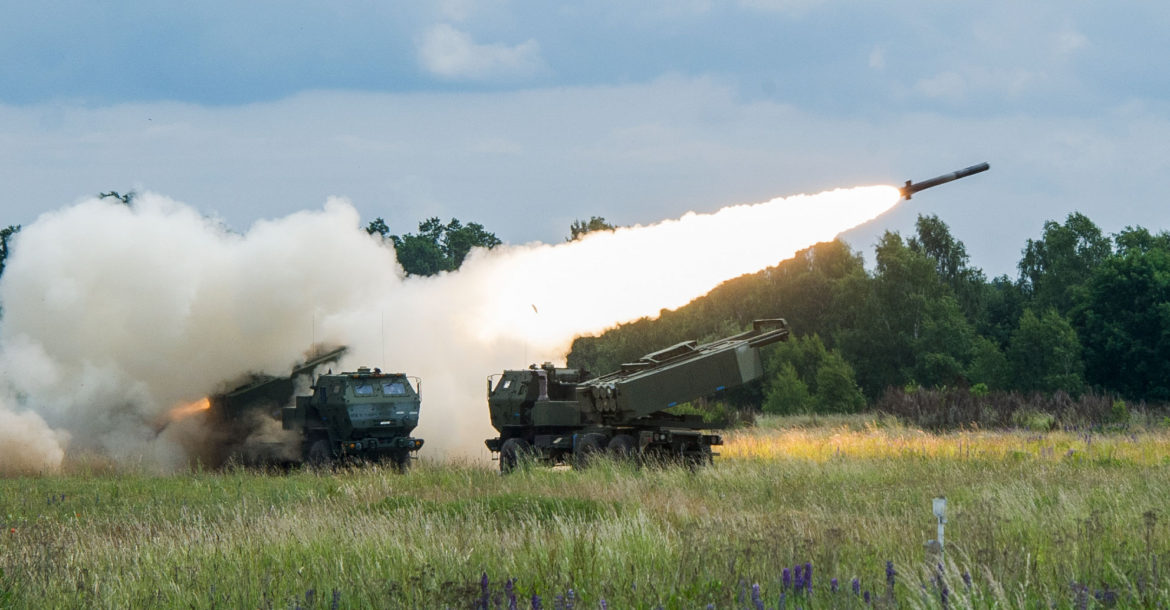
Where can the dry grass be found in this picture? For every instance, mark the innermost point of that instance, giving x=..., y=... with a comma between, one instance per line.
x=1029, y=524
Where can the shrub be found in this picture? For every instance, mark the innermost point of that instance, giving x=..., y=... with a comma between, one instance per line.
x=787, y=394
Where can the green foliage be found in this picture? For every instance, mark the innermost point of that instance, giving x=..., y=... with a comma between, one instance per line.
x=1120, y=411
x=1004, y=302
x=786, y=393
x=911, y=326
x=126, y=198
x=717, y=413
x=1045, y=354
x=437, y=247
x=1036, y=421
x=944, y=344
x=6, y=236
x=934, y=240
x=1056, y=267
x=1125, y=318
x=837, y=390
x=806, y=377
x=579, y=228
x=989, y=366
x=378, y=226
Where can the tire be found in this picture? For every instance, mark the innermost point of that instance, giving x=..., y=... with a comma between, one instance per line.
x=513, y=453
x=699, y=458
x=623, y=447
x=318, y=454
x=589, y=448
x=401, y=461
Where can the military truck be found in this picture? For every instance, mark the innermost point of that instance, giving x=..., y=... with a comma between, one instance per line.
x=364, y=413
x=559, y=415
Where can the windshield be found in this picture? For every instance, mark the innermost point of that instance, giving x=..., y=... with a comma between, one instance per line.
x=398, y=387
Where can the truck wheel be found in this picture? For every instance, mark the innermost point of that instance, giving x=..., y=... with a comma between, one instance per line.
x=512, y=452
x=401, y=461
x=699, y=458
x=319, y=454
x=623, y=447
x=589, y=447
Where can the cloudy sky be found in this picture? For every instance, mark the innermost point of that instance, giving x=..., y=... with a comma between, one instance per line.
x=524, y=115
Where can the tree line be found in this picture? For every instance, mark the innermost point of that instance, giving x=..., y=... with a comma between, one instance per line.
x=1088, y=313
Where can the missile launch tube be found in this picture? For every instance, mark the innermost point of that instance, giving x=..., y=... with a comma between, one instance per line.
x=912, y=188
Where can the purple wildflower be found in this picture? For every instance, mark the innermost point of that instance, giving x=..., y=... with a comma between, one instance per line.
x=797, y=578
x=890, y=574
x=756, y=600
x=536, y=602
x=967, y=579
x=485, y=597
x=336, y=600
x=604, y=606
x=570, y=598
x=510, y=592
x=786, y=578
x=866, y=596
x=783, y=601
x=856, y=586
x=808, y=577
x=833, y=585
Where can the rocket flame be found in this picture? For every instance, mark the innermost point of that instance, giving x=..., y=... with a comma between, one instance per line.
x=185, y=410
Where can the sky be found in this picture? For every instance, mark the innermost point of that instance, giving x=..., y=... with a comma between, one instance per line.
x=526, y=115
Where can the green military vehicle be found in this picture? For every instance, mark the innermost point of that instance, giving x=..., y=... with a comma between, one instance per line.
x=555, y=415
x=362, y=414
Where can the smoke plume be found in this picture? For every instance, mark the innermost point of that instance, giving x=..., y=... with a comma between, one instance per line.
x=115, y=314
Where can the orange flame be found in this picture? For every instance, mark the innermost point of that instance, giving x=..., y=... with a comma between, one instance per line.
x=188, y=409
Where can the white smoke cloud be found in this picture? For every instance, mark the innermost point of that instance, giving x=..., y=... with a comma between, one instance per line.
x=115, y=314
x=27, y=444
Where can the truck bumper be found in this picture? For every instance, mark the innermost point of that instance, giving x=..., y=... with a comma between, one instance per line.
x=374, y=445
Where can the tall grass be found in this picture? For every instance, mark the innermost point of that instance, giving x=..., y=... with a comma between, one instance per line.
x=1029, y=524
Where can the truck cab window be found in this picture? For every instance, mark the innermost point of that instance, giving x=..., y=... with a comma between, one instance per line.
x=394, y=388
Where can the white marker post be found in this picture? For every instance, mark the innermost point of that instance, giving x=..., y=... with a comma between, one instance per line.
x=940, y=511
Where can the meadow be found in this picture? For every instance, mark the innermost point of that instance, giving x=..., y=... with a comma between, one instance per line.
x=797, y=512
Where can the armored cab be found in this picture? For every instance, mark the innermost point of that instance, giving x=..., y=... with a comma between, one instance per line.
x=565, y=415
x=364, y=413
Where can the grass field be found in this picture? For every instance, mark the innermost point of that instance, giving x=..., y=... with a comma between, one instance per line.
x=1064, y=519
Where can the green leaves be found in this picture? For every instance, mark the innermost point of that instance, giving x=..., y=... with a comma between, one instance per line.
x=805, y=377
x=6, y=235
x=437, y=247
x=1045, y=354
x=579, y=228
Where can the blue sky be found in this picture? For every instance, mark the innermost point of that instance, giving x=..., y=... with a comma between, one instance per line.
x=526, y=115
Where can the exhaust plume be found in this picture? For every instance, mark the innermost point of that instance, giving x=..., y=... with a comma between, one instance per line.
x=115, y=315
